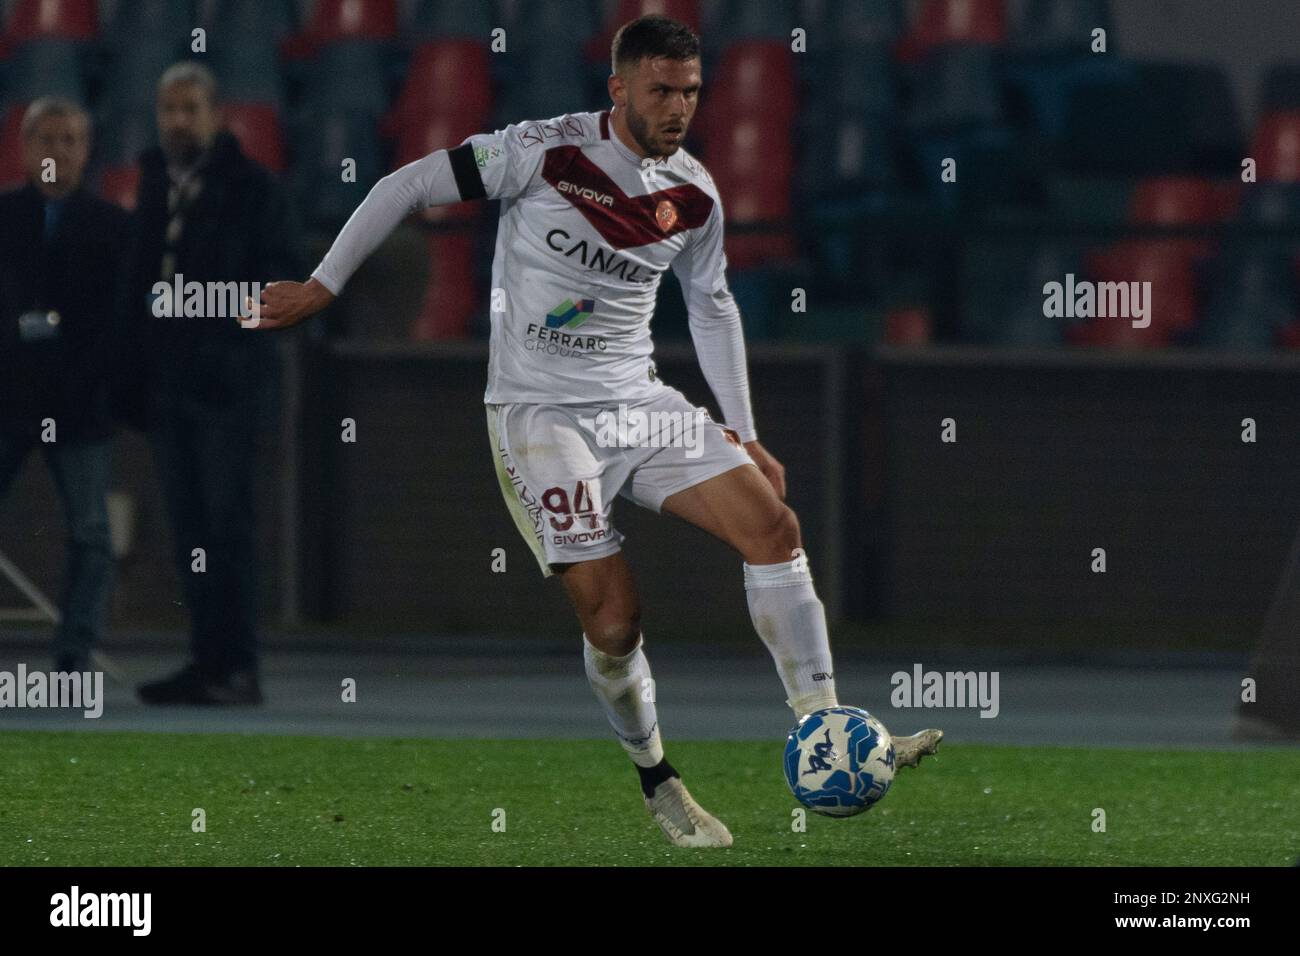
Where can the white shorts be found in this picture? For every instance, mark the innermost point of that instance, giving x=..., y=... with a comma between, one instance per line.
x=561, y=466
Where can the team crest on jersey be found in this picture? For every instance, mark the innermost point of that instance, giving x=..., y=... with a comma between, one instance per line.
x=666, y=215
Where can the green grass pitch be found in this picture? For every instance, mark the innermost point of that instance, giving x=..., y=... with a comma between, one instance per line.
x=125, y=799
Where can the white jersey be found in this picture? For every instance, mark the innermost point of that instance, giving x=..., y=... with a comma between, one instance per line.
x=587, y=229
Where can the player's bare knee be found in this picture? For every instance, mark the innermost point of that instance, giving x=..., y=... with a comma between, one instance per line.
x=616, y=636
x=777, y=540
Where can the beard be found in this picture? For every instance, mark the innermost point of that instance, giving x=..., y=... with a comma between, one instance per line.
x=639, y=127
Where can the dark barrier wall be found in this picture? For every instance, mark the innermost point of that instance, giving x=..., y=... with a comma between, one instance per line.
x=1061, y=453
x=1056, y=454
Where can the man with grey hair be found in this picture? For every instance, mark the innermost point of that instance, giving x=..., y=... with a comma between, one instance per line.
x=207, y=214
x=60, y=264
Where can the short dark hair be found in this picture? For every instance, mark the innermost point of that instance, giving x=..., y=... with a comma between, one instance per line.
x=653, y=36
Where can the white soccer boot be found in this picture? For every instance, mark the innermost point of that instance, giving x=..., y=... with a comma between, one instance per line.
x=908, y=751
x=684, y=821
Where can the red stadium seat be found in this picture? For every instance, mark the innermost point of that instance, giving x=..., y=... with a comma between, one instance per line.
x=908, y=327
x=446, y=79
x=1178, y=201
x=1276, y=147
x=752, y=250
x=752, y=163
x=61, y=19
x=353, y=20
x=1175, y=201
x=943, y=22
x=757, y=76
x=449, y=303
x=11, y=147
x=1165, y=265
x=257, y=127
x=120, y=185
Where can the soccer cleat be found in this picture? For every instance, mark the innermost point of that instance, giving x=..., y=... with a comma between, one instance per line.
x=684, y=821
x=908, y=751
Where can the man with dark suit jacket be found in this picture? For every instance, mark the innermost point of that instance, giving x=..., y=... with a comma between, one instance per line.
x=208, y=215
x=60, y=267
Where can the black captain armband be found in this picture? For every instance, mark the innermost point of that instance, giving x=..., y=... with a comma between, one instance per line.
x=465, y=168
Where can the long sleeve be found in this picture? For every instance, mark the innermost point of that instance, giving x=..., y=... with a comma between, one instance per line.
x=497, y=165
x=425, y=182
x=715, y=325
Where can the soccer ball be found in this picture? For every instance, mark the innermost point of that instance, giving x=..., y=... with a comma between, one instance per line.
x=839, y=761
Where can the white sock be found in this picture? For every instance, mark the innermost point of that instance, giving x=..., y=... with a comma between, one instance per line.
x=790, y=619
x=622, y=684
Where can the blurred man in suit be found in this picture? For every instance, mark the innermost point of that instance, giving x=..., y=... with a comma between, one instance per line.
x=212, y=216
x=60, y=268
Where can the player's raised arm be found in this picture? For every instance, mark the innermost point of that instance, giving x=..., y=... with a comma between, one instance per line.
x=486, y=166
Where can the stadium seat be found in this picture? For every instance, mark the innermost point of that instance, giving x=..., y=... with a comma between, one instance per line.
x=1001, y=290
x=752, y=162
x=347, y=76
x=257, y=127
x=1254, y=300
x=120, y=185
x=1272, y=204
x=53, y=19
x=253, y=20
x=130, y=78
x=165, y=22
x=855, y=24
x=1178, y=201
x=740, y=20
x=561, y=27
x=1040, y=85
x=1172, y=118
x=336, y=20
x=11, y=146
x=1281, y=88
x=543, y=91
x=687, y=11
x=449, y=301
x=848, y=156
x=909, y=327
x=757, y=75
x=45, y=68
x=449, y=20
x=322, y=196
x=446, y=78
x=1061, y=26
x=954, y=22
x=1163, y=264
x=1276, y=147
x=957, y=88
x=249, y=70
x=861, y=82
x=761, y=248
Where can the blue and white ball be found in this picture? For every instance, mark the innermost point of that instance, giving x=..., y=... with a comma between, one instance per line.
x=839, y=761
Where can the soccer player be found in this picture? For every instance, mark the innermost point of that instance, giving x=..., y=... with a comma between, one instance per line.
x=595, y=208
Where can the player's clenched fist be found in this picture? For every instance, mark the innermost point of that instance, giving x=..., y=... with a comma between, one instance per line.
x=288, y=303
